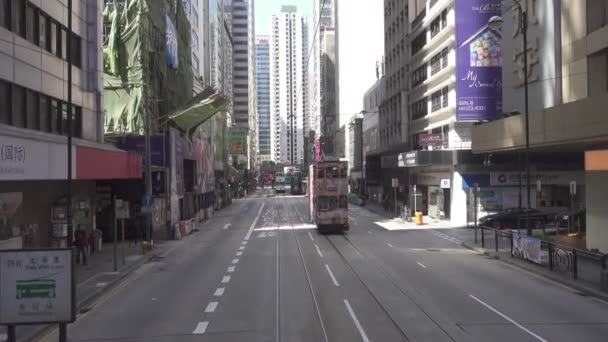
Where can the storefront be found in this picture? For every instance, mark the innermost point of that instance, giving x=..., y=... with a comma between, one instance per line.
x=33, y=188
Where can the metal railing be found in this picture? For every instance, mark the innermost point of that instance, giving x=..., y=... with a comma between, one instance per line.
x=581, y=265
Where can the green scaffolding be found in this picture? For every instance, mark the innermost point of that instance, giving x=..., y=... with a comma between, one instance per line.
x=137, y=79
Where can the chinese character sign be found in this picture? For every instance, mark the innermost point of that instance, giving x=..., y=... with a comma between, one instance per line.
x=35, y=286
x=478, y=61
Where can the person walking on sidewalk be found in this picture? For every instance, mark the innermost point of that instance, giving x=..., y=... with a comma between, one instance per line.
x=81, y=245
x=385, y=203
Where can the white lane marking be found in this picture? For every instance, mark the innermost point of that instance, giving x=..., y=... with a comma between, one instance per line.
x=239, y=253
x=369, y=231
x=241, y=248
x=225, y=279
x=331, y=275
x=389, y=245
x=219, y=291
x=318, y=250
x=201, y=327
x=357, y=324
x=255, y=221
x=230, y=269
x=244, y=242
x=311, y=238
x=211, y=307
x=420, y=264
x=235, y=261
x=508, y=319
x=226, y=226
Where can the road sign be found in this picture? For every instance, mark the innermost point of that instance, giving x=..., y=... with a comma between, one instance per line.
x=445, y=183
x=395, y=182
x=414, y=188
x=573, y=188
x=36, y=286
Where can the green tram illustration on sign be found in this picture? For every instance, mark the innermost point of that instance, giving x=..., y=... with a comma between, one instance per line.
x=37, y=288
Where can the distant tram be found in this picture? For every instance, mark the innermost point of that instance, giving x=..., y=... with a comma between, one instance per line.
x=328, y=188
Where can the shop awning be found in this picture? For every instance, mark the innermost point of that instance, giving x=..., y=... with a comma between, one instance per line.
x=97, y=163
x=203, y=107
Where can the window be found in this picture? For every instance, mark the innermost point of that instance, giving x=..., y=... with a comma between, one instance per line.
x=45, y=113
x=5, y=102
x=435, y=64
x=436, y=101
x=76, y=50
x=419, y=75
x=32, y=26
x=444, y=94
x=55, y=123
x=43, y=32
x=18, y=17
x=419, y=42
x=444, y=19
x=435, y=26
x=597, y=14
x=32, y=120
x=52, y=43
x=77, y=121
x=444, y=57
x=5, y=13
x=18, y=106
x=419, y=108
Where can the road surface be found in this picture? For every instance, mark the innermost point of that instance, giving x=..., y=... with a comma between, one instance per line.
x=258, y=271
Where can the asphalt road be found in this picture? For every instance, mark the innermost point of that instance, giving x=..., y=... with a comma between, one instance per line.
x=258, y=271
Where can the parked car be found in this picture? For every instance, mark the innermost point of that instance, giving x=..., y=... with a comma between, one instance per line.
x=508, y=218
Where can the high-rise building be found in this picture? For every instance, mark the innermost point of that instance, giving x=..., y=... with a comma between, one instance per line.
x=289, y=93
x=195, y=12
x=323, y=105
x=262, y=80
x=244, y=73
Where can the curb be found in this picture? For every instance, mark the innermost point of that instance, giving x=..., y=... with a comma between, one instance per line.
x=90, y=299
x=569, y=284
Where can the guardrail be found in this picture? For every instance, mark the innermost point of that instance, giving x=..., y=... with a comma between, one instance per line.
x=580, y=265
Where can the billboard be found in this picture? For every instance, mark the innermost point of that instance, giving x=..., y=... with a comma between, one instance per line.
x=478, y=61
x=238, y=140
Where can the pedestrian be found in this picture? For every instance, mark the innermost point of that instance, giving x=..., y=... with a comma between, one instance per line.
x=385, y=203
x=81, y=245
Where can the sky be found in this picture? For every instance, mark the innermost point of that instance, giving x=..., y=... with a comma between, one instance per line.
x=264, y=9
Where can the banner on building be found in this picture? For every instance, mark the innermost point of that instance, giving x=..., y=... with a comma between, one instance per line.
x=238, y=141
x=478, y=60
x=171, y=38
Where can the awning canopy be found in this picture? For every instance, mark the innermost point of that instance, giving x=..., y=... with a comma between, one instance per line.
x=202, y=108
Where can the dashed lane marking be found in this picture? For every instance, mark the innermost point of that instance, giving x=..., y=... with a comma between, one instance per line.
x=226, y=226
x=219, y=292
x=311, y=238
x=225, y=279
x=421, y=264
x=201, y=327
x=356, y=321
x=318, y=250
x=230, y=269
x=331, y=275
x=211, y=307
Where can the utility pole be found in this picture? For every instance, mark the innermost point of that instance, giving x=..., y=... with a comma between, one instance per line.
x=63, y=327
x=148, y=171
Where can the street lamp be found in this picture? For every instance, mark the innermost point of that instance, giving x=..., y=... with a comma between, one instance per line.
x=495, y=22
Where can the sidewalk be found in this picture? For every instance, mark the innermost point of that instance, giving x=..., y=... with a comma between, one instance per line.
x=589, y=270
x=99, y=276
x=394, y=222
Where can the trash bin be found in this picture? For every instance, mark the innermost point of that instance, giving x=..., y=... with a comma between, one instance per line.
x=419, y=220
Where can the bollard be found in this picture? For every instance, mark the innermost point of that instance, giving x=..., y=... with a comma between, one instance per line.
x=574, y=264
x=511, y=241
x=496, y=240
x=483, y=238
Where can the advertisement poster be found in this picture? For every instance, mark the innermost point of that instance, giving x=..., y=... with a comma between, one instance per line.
x=478, y=61
x=35, y=286
x=238, y=141
x=527, y=248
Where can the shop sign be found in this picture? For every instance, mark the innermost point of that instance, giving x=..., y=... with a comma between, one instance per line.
x=36, y=286
x=395, y=182
x=22, y=159
x=546, y=178
x=433, y=179
x=430, y=139
x=238, y=141
x=445, y=183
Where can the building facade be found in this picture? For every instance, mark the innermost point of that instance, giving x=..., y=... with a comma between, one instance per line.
x=262, y=79
x=243, y=32
x=195, y=10
x=289, y=108
x=323, y=106
x=34, y=121
x=372, y=175
x=568, y=80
